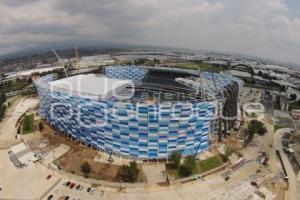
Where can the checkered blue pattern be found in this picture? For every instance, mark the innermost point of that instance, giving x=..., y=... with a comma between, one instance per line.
x=146, y=131
x=137, y=130
x=133, y=73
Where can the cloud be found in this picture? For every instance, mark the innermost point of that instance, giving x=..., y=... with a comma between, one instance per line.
x=17, y=3
x=267, y=28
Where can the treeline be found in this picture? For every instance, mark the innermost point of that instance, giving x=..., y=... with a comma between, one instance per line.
x=2, y=105
x=266, y=76
x=255, y=127
x=14, y=85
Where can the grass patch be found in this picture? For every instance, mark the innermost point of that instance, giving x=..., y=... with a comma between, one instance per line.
x=294, y=105
x=250, y=82
x=14, y=86
x=203, y=67
x=276, y=127
x=200, y=166
x=28, y=124
x=209, y=164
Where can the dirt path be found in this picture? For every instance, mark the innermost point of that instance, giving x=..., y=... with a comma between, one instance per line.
x=8, y=128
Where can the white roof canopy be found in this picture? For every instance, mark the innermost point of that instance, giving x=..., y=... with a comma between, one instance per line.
x=90, y=86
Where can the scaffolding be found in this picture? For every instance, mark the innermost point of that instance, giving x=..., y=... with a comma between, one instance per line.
x=212, y=87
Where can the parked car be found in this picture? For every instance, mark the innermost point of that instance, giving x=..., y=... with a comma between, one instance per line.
x=72, y=185
x=50, y=197
x=68, y=183
x=64, y=182
x=48, y=177
x=253, y=183
x=110, y=159
x=88, y=189
x=92, y=191
x=78, y=187
x=67, y=198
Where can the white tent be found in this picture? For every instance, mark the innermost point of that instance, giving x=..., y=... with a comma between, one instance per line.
x=28, y=158
x=18, y=148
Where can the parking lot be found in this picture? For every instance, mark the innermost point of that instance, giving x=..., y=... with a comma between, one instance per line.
x=213, y=187
x=74, y=190
x=283, y=119
x=19, y=183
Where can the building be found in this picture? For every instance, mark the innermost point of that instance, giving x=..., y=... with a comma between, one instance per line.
x=21, y=155
x=296, y=114
x=238, y=73
x=284, y=103
x=141, y=112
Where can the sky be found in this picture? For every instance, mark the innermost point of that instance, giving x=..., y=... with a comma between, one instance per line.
x=264, y=28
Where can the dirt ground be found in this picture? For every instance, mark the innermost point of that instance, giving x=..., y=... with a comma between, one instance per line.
x=233, y=142
x=71, y=162
x=277, y=187
x=73, y=159
x=47, y=140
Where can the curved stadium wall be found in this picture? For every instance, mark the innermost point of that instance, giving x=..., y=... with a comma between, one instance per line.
x=148, y=130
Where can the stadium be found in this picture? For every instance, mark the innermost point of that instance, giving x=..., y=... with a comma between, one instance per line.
x=141, y=112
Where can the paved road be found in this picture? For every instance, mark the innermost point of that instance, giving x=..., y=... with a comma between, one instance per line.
x=213, y=187
x=292, y=193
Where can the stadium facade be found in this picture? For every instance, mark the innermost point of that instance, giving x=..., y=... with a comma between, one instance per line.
x=140, y=112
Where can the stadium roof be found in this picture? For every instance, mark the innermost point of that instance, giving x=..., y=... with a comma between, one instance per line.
x=90, y=86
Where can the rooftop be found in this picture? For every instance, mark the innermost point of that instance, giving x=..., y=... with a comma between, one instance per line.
x=239, y=73
x=90, y=86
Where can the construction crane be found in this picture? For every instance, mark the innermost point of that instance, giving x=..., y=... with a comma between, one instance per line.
x=66, y=65
x=202, y=91
x=56, y=55
x=77, y=56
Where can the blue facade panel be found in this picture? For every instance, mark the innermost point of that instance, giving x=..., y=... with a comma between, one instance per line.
x=141, y=130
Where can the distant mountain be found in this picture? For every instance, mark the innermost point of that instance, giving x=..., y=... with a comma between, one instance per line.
x=97, y=44
x=47, y=46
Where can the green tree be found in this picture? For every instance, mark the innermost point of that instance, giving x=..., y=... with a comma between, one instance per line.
x=186, y=169
x=175, y=159
x=156, y=61
x=29, y=80
x=293, y=97
x=253, y=128
x=251, y=70
x=2, y=111
x=282, y=88
x=129, y=173
x=86, y=168
x=262, y=131
x=41, y=126
x=253, y=115
x=26, y=123
x=190, y=161
x=2, y=105
x=2, y=97
x=257, y=127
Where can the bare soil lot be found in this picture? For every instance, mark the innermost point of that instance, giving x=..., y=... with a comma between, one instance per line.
x=71, y=161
